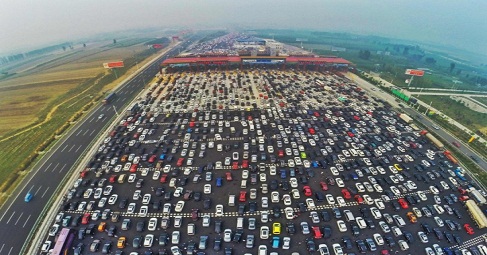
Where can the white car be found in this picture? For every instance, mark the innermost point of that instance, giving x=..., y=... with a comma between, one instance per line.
x=148, y=240
x=330, y=199
x=219, y=210
x=265, y=202
x=264, y=232
x=143, y=211
x=295, y=194
x=275, y=197
x=378, y=239
x=379, y=203
x=294, y=182
x=245, y=174
x=434, y=190
x=337, y=249
x=207, y=189
x=341, y=201
x=166, y=209
x=342, y=226
x=287, y=199
x=310, y=203
x=146, y=199
x=262, y=177
x=179, y=206
x=152, y=224
x=360, y=187
x=113, y=198
x=340, y=182
x=376, y=213
x=289, y=212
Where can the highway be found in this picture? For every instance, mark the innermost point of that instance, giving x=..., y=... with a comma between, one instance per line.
x=371, y=89
x=17, y=218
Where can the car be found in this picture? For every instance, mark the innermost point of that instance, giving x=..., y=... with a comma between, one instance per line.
x=307, y=191
x=468, y=229
x=342, y=227
x=264, y=232
x=219, y=210
x=337, y=249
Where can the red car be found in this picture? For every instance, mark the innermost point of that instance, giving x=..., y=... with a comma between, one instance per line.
x=307, y=191
x=242, y=197
x=133, y=168
x=384, y=252
x=245, y=163
x=324, y=186
x=346, y=194
x=403, y=203
x=235, y=165
x=83, y=173
x=229, y=176
x=468, y=229
x=317, y=232
x=280, y=153
x=359, y=199
x=311, y=131
x=163, y=178
x=180, y=162
x=86, y=219
x=113, y=178
x=316, y=114
x=152, y=159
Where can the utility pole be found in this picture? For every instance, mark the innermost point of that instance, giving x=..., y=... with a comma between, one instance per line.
x=115, y=109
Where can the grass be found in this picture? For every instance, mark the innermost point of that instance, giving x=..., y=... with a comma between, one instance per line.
x=34, y=108
x=481, y=99
x=456, y=110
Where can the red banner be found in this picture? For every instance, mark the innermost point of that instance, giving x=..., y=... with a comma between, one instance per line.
x=157, y=46
x=414, y=72
x=117, y=64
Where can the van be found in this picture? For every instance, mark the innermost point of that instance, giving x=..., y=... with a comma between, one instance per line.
x=191, y=229
x=243, y=184
x=403, y=245
x=482, y=249
x=121, y=178
x=231, y=200
x=349, y=215
x=196, y=178
x=240, y=223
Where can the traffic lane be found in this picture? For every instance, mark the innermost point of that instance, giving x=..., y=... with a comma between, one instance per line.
x=467, y=151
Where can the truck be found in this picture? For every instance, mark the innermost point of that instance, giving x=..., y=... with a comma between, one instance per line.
x=109, y=98
x=475, y=195
x=406, y=118
x=450, y=157
x=435, y=141
x=477, y=215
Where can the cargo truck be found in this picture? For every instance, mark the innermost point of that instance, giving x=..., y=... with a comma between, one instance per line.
x=109, y=98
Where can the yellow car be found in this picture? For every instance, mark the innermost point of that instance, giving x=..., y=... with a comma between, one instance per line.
x=412, y=218
x=121, y=242
x=276, y=228
x=397, y=167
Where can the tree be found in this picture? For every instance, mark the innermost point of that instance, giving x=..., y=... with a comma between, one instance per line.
x=405, y=52
x=459, y=71
x=64, y=48
x=84, y=45
x=114, y=41
x=430, y=61
x=364, y=54
x=452, y=66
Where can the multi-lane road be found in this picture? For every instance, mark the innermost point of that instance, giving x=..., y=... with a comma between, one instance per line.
x=414, y=114
x=18, y=218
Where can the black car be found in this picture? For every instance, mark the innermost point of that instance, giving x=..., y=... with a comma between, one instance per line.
x=325, y=215
x=218, y=226
x=290, y=228
x=408, y=236
x=327, y=231
x=163, y=239
x=106, y=247
x=78, y=249
x=207, y=203
x=140, y=226
x=311, y=245
x=337, y=213
x=361, y=246
x=390, y=241
x=347, y=243
x=218, y=244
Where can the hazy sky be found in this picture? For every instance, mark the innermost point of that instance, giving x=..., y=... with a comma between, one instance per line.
x=28, y=23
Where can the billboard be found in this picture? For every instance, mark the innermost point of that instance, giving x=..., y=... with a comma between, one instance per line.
x=116, y=64
x=414, y=72
x=157, y=46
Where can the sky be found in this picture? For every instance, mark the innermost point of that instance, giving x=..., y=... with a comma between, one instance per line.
x=28, y=24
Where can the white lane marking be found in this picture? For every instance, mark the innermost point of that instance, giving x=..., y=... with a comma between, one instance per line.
x=62, y=168
x=55, y=167
x=18, y=218
x=79, y=132
x=23, y=226
x=86, y=132
x=78, y=148
x=64, y=148
x=45, y=192
x=37, y=190
x=10, y=251
x=92, y=132
x=10, y=217
x=71, y=148
x=1, y=249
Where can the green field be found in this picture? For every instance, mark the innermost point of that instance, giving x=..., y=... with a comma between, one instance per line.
x=38, y=105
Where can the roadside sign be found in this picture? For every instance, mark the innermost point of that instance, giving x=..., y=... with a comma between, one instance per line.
x=414, y=72
x=116, y=64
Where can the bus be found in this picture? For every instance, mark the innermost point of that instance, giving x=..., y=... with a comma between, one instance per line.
x=477, y=214
x=64, y=242
x=109, y=98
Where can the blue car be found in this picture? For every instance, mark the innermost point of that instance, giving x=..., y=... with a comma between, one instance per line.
x=28, y=197
x=283, y=174
x=162, y=157
x=219, y=181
